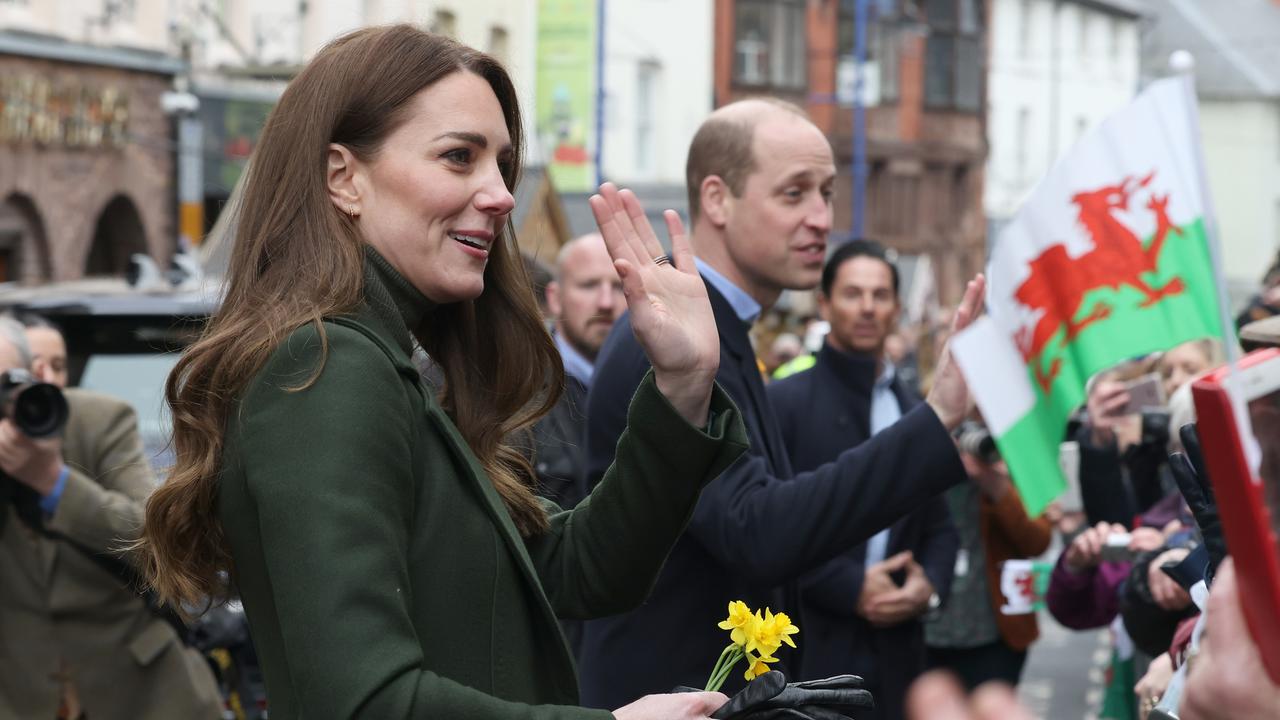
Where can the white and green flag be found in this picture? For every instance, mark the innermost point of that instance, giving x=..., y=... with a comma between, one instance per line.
x=1107, y=260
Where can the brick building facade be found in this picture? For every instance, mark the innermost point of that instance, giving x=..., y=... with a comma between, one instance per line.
x=925, y=127
x=86, y=159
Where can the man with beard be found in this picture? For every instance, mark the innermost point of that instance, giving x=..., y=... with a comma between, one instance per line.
x=585, y=299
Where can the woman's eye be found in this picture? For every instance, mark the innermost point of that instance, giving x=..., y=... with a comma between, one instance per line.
x=459, y=155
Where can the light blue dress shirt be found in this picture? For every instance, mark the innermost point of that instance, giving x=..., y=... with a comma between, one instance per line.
x=884, y=412
x=574, y=362
x=744, y=306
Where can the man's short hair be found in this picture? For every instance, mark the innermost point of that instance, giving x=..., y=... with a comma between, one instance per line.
x=722, y=147
x=854, y=249
x=12, y=332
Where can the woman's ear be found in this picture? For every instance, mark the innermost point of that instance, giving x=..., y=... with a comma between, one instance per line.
x=340, y=176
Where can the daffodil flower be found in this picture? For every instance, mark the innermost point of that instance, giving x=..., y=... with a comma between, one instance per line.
x=756, y=666
x=739, y=622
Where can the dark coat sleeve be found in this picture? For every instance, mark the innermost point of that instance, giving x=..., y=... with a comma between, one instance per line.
x=840, y=504
x=939, y=542
x=603, y=556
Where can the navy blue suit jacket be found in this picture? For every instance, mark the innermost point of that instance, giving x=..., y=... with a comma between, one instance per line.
x=756, y=529
x=824, y=411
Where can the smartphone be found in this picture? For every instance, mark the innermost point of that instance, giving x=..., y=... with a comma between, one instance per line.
x=1144, y=392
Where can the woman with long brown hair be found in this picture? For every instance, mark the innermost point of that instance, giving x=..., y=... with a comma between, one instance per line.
x=385, y=541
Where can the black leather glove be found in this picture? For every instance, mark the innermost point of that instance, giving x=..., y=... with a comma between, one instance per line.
x=1193, y=480
x=770, y=697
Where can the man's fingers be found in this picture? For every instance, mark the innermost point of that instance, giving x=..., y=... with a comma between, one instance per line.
x=681, y=248
x=971, y=304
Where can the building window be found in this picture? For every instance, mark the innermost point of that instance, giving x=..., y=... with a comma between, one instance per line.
x=445, y=23
x=1024, y=28
x=647, y=77
x=883, y=48
x=954, y=64
x=499, y=44
x=769, y=43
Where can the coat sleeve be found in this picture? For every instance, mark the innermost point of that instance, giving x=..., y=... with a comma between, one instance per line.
x=939, y=542
x=603, y=557
x=102, y=505
x=328, y=473
x=839, y=505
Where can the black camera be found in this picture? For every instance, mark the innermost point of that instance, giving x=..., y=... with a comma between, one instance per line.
x=37, y=408
x=975, y=439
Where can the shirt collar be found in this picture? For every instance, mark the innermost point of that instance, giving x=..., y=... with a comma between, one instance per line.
x=886, y=375
x=744, y=306
x=575, y=363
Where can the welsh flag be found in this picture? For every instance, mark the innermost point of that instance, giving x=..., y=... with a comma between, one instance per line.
x=1107, y=260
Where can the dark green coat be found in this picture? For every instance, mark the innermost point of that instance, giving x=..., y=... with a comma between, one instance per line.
x=381, y=574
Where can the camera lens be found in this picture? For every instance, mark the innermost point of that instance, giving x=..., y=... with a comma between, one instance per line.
x=40, y=410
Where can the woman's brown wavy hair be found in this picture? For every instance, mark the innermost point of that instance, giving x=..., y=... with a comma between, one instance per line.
x=298, y=259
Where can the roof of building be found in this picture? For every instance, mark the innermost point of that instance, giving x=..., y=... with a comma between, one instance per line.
x=1128, y=8
x=1234, y=44
x=37, y=45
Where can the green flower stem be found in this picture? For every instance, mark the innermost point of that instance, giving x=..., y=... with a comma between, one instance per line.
x=728, y=658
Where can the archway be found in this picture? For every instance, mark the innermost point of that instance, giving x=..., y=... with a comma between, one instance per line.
x=118, y=235
x=24, y=247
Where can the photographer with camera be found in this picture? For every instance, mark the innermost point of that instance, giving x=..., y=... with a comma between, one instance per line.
x=75, y=641
x=971, y=636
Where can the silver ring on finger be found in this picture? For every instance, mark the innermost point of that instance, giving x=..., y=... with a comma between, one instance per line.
x=664, y=260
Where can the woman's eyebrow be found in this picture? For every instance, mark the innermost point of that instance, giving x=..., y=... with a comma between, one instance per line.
x=470, y=137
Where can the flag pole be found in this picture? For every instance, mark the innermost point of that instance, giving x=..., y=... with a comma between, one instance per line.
x=1184, y=63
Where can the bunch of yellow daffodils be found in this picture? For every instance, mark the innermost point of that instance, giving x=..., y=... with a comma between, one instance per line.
x=754, y=637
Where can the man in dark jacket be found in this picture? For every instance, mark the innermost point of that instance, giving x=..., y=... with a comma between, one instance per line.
x=760, y=179
x=863, y=610
x=585, y=299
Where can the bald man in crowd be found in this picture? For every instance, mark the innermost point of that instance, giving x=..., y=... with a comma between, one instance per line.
x=760, y=180
x=584, y=300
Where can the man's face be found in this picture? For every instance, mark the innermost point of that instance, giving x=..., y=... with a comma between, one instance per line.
x=587, y=298
x=776, y=231
x=48, y=355
x=862, y=307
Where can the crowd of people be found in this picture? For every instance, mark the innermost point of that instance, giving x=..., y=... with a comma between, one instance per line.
x=437, y=494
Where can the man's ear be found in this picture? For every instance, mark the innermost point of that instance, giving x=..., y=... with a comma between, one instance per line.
x=824, y=306
x=553, y=299
x=715, y=199
x=340, y=176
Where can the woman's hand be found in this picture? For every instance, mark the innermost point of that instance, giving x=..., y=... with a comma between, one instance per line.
x=1106, y=399
x=1085, y=550
x=670, y=312
x=677, y=706
x=949, y=395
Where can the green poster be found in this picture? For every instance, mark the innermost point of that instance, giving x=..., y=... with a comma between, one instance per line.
x=566, y=91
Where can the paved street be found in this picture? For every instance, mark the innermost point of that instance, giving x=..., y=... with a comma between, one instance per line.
x=1064, y=675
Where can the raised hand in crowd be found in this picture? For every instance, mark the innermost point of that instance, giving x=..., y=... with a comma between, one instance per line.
x=1226, y=680
x=1153, y=684
x=670, y=311
x=1085, y=551
x=1106, y=399
x=949, y=395
x=937, y=696
x=1166, y=591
